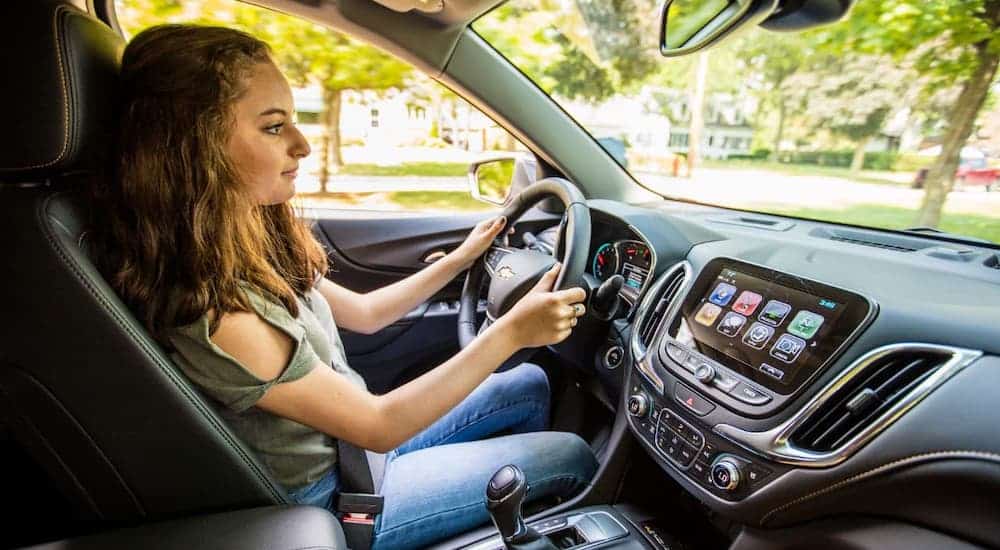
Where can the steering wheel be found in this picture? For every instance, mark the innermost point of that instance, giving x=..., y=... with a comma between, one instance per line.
x=513, y=272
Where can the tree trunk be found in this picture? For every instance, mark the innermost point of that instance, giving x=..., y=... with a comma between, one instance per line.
x=780, y=134
x=330, y=154
x=858, y=162
x=941, y=176
x=697, y=113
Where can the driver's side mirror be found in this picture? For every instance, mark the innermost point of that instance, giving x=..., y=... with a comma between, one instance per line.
x=495, y=179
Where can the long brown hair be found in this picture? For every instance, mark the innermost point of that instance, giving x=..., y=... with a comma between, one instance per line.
x=178, y=233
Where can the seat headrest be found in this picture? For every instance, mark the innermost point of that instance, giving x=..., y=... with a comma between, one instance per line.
x=61, y=68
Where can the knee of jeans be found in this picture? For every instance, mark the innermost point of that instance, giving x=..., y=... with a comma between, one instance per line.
x=533, y=382
x=576, y=456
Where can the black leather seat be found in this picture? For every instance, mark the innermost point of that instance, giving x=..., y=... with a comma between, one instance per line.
x=83, y=388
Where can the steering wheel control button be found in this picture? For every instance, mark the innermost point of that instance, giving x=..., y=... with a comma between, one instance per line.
x=638, y=405
x=704, y=373
x=613, y=357
x=749, y=395
x=694, y=402
x=726, y=474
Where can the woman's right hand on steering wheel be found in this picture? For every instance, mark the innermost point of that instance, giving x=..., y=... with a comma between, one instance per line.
x=543, y=317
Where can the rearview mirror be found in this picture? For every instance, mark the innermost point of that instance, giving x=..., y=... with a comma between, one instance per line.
x=690, y=25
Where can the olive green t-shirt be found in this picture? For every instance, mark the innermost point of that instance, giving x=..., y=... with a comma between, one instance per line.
x=295, y=453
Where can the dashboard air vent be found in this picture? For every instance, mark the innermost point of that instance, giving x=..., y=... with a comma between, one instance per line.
x=993, y=261
x=662, y=295
x=861, y=401
x=885, y=241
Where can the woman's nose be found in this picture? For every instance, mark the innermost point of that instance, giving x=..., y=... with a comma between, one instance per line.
x=300, y=146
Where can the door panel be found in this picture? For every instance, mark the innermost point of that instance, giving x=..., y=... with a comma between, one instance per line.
x=370, y=250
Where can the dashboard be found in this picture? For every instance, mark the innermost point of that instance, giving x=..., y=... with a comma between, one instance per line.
x=784, y=372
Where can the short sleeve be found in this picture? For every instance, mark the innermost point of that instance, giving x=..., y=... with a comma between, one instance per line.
x=223, y=377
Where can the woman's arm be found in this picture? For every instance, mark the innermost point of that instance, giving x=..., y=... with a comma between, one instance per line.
x=371, y=312
x=328, y=402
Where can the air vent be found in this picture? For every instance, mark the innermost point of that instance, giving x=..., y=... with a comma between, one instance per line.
x=872, y=392
x=886, y=246
x=885, y=241
x=993, y=262
x=662, y=294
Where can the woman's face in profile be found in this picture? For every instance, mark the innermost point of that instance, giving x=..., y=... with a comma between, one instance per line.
x=265, y=146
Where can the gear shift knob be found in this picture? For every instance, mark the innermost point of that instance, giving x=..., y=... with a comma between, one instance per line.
x=504, y=494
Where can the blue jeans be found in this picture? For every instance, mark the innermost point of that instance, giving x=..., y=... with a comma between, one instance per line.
x=434, y=484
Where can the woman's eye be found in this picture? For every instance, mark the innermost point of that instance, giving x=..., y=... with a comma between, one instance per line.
x=274, y=129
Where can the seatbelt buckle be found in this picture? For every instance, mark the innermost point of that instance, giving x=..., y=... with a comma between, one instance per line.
x=359, y=507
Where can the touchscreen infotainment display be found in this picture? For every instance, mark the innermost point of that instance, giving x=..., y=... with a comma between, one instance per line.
x=772, y=327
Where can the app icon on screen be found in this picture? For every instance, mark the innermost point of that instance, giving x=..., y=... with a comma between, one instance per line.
x=757, y=335
x=805, y=324
x=723, y=294
x=731, y=324
x=708, y=314
x=788, y=348
x=774, y=312
x=747, y=302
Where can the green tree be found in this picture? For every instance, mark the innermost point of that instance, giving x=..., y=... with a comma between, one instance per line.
x=851, y=96
x=772, y=62
x=955, y=43
x=310, y=53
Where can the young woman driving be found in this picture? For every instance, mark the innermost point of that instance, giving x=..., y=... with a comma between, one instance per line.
x=201, y=241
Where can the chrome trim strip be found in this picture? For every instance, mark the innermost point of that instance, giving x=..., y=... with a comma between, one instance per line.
x=649, y=299
x=774, y=444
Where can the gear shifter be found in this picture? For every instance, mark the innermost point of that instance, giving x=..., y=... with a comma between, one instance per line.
x=504, y=494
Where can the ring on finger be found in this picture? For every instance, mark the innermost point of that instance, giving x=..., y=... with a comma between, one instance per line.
x=578, y=309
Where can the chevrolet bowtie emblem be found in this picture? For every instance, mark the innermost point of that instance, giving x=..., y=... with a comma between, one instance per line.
x=505, y=272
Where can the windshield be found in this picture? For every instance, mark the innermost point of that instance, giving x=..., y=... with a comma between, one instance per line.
x=884, y=120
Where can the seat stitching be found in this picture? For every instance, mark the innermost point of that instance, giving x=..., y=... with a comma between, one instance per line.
x=62, y=84
x=150, y=354
x=29, y=424
x=902, y=462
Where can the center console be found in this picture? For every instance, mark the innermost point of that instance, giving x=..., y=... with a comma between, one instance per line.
x=739, y=341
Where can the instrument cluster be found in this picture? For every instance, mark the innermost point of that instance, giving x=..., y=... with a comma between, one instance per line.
x=629, y=258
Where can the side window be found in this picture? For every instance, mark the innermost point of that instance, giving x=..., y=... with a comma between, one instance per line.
x=384, y=136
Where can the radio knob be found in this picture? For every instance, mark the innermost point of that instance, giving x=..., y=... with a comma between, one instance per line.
x=704, y=373
x=726, y=474
x=638, y=405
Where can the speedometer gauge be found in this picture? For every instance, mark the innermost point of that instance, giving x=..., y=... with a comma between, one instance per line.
x=605, y=261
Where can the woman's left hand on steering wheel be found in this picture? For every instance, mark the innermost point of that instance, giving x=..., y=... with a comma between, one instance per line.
x=478, y=241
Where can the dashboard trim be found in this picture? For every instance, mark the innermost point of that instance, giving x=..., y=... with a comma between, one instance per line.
x=774, y=444
x=649, y=299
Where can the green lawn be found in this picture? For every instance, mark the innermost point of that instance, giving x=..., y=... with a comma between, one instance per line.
x=866, y=176
x=438, y=200
x=888, y=217
x=406, y=169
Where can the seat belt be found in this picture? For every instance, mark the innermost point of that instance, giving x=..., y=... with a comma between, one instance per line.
x=358, y=502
